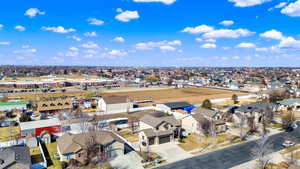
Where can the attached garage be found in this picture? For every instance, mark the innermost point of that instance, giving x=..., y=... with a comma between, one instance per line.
x=164, y=139
x=151, y=140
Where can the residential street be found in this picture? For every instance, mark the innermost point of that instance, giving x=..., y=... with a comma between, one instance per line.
x=230, y=156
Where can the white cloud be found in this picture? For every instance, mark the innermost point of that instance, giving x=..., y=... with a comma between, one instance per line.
x=119, y=39
x=236, y=57
x=164, y=44
x=272, y=34
x=167, y=48
x=198, y=29
x=245, y=45
x=206, y=40
x=58, y=29
x=289, y=42
x=126, y=16
x=5, y=43
x=227, y=22
x=261, y=49
x=25, y=46
x=94, y=21
x=90, y=45
x=73, y=48
x=32, y=12
x=293, y=9
x=26, y=51
x=208, y=45
x=1, y=26
x=90, y=34
x=247, y=3
x=175, y=43
x=280, y=5
x=20, y=28
x=228, y=33
x=167, y=2
x=118, y=53
x=75, y=38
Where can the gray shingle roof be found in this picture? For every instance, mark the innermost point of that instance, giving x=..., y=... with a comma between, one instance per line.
x=15, y=154
x=155, y=121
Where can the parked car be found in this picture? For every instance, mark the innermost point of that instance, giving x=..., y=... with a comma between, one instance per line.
x=288, y=143
x=9, y=123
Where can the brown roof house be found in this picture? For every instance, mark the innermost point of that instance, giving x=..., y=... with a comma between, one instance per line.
x=15, y=157
x=115, y=104
x=158, y=130
x=88, y=145
x=203, y=122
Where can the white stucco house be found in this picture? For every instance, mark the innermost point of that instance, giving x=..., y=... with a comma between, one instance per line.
x=115, y=104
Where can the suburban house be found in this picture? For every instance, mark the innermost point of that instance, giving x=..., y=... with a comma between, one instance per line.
x=172, y=106
x=15, y=157
x=74, y=146
x=202, y=121
x=9, y=106
x=115, y=104
x=289, y=104
x=158, y=130
x=253, y=115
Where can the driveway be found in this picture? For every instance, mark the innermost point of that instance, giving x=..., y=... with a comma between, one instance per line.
x=170, y=152
x=128, y=161
x=231, y=156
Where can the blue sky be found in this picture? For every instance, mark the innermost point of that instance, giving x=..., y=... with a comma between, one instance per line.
x=150, y=32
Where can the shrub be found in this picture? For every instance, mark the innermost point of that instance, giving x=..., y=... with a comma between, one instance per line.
x=64, y=164
x=24, y=118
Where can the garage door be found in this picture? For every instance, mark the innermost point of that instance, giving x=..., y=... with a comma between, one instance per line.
x=151, y=141
x=164, y=139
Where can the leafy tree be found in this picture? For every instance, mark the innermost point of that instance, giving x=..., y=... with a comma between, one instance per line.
x=207, y=104
x=24, y=118
x=234, y=98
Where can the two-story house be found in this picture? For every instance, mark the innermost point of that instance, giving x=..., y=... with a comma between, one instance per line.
x=158, y=130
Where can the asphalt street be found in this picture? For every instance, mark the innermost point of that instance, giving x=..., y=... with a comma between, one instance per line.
x=230, y=156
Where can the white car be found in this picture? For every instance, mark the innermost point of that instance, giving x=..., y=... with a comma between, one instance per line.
x=288, y=143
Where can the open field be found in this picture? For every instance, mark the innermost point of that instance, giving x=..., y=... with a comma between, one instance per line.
x=9, y=133
x=191, y=95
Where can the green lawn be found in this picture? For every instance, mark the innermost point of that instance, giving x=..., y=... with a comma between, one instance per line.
x=52, y=149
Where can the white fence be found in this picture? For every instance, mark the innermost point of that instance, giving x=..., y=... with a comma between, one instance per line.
x=12, y=143
x=130, y=110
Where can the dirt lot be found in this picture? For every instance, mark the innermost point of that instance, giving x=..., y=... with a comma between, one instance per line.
x=191, y=95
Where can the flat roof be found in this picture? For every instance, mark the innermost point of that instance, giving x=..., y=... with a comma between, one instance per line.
x=12, y=103
x=39, y=124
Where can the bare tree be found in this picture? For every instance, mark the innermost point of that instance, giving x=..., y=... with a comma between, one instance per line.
x=242, y=125
x=261, y=152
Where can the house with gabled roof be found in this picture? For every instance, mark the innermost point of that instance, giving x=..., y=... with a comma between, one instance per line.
x=75, y=146
x=116, y=104
x=15, y=157
x=158, y=130
x=202, y=121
